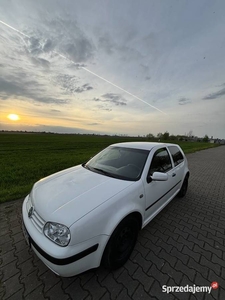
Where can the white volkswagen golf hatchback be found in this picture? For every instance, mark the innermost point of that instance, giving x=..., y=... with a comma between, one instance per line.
x=90, y=214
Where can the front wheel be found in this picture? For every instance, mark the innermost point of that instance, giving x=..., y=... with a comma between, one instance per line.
x=121, y=244
x=184, y=188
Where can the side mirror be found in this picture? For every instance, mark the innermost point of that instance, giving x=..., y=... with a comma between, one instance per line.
x=157, y=176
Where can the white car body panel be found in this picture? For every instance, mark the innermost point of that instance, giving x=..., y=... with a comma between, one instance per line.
x=92, y=205
x=57, y=195
x=157, y=189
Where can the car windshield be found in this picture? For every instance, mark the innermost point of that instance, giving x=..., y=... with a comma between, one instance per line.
x=119, y=162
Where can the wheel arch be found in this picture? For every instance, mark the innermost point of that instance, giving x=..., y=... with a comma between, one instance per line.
x=187, y=174
x=135, y=214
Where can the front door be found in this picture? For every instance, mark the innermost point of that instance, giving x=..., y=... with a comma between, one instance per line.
x=158, y=192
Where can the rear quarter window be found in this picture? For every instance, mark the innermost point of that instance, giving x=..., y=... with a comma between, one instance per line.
x=176, y=154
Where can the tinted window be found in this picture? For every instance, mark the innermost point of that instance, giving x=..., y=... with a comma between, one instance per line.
x=176, y=154
x=161, y=162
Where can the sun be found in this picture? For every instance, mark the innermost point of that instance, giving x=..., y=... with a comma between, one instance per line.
x=13, y=117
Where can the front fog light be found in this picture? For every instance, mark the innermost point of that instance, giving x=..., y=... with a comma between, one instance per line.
x=58, y=233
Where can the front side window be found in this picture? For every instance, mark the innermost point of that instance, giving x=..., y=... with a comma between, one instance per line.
x=119, y=162
x=161, y=162
x=176, y=154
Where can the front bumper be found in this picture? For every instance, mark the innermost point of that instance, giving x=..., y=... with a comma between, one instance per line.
x=64, y=261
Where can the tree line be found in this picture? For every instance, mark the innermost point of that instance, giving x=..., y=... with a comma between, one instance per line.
x=167, y=136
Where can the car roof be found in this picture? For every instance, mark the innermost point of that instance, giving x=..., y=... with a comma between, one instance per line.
x=141, y=145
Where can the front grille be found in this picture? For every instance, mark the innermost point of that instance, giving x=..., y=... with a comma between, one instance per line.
x=35, y=218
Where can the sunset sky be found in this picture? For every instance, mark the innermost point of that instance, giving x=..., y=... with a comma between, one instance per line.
x=115, y=67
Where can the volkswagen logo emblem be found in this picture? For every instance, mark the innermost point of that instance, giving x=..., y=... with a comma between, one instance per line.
x=30, y=212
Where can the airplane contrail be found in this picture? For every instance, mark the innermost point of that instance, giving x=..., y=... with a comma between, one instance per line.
x=15, y=29
x=89, y=71
x=123, y=90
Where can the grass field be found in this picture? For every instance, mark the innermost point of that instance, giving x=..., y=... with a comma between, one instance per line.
x=25, y=158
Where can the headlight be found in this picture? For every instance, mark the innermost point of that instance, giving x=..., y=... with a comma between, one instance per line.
x=58, y=233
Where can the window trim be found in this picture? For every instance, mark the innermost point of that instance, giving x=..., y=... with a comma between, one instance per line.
x=175, y=163
x=169, y=155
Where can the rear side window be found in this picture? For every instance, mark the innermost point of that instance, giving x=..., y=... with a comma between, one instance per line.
x=176, y=154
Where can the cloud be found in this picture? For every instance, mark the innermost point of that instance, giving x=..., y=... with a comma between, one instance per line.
x=219, y=85
x=72, y=65
x=94, y=124
x=115, y=99
x=70, y=39
x=80, y=50
x=48, y=128
x=98, y=99
x=49, y=99
x=106, y=100
x=10, y=88
x=56, y=110
x=29, y=89
x=68, y=84
x=83, y=88
x=34, y=45
x=48, y=45
x=103, y=107
x=63, y=36
x=106, y=44
x=215, y=95
x=41, y=62
x=183, y=101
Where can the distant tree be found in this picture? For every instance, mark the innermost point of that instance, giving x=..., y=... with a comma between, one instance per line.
x=165, y=135
x=159, y=135
x=150, y=136
x=206, y=138
x=173, y=137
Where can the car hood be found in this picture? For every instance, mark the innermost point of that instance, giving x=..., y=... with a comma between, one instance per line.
x=67, y=196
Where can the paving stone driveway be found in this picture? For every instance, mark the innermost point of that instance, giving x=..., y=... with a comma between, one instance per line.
x=183, y=245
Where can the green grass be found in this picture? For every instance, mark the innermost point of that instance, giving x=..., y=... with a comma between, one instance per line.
x=25, y=158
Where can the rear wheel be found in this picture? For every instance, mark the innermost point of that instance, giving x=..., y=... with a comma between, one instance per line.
x=184, y=188
x=121, y=243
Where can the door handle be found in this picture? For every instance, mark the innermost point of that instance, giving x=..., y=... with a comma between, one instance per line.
x=174, y=174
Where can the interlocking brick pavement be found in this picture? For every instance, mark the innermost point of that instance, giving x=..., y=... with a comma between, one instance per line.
x=183, y=245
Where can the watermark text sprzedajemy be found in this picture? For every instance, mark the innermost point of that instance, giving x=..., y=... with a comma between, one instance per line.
x=190, y=288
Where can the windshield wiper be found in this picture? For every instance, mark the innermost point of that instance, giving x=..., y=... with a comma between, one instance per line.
x=104, y=172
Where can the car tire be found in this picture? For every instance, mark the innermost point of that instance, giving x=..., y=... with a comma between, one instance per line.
x=184, y=188
x=121, y=244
